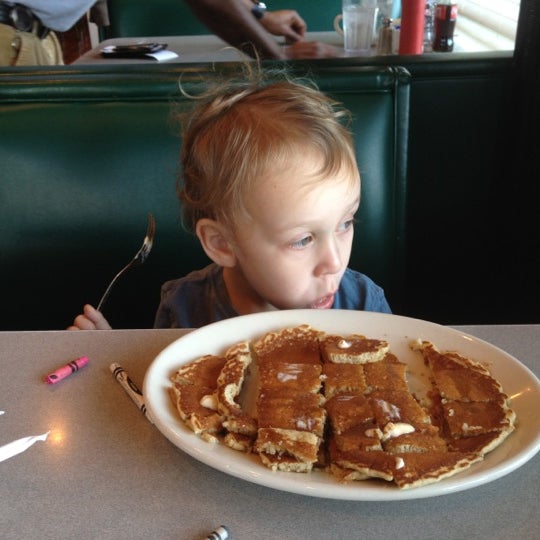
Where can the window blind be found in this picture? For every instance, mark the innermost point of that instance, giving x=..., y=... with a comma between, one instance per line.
x=487, y=25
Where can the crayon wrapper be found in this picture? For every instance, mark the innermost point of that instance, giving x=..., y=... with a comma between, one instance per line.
x=66, y=370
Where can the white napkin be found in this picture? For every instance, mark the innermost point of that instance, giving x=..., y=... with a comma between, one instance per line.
x=162, y=55
x=20, y=445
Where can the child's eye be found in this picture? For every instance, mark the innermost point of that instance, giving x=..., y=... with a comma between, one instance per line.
x=346, y=225
x=302, y=243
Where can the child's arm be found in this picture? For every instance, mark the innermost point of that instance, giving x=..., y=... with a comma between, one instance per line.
x=90, y=319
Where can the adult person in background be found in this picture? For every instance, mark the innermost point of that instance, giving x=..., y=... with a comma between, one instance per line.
x=249, y=26
x=27, y=29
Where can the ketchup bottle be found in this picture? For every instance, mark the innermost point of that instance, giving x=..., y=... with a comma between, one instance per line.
x=445, y=23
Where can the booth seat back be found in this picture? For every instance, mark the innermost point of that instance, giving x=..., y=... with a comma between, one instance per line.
x=88, y=152
x=134, y=18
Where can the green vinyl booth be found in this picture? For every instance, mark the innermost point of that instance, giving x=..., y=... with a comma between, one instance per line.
x=87, y=152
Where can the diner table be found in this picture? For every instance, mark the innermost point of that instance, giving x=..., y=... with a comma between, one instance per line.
x=190, y=49
x=210, y=48
x=105, y=471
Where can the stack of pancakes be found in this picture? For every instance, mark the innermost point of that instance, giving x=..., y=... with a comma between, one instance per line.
x=290, y=408
x=194, y=386
x=343, y=403
x=468, y=404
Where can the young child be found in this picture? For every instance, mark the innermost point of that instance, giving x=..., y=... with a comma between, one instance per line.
x=270, y=187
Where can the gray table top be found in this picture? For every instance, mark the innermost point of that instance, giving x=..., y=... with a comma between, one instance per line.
x=106, y=472
x=190, y=49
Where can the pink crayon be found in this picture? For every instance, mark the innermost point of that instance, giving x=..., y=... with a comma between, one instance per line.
x=65, y=371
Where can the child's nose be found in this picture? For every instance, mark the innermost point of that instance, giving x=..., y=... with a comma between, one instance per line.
x=329, y=259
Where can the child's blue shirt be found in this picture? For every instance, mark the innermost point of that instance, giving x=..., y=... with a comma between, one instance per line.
x=201, y=298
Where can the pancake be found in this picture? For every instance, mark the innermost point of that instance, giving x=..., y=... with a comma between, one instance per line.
x=362, y=436
x=398, y=406
x=470, y=404
x=285, y=463
x=406, y=469
x=387, y=374
x=290, y=377
x=346, y=411
x=415, y=442
x=295, y=345
x=352, y=349
x=287, y=449
x=479, y=444
x=193, y=390
x=343, y=378
x=469, y=418
x=239, y=442
x=231, y=377
x=417, y=469
x=229, y=385
x=203, y=371
x=301, y=412
x=201, y=419
x=457, y=377
x=365, y=464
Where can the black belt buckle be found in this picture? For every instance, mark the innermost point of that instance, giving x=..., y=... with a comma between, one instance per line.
x=23, y=19
x=42, y=31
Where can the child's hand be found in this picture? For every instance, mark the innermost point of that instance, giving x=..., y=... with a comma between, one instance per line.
x=90, y=319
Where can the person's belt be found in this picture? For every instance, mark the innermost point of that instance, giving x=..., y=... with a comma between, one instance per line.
x=22, y=18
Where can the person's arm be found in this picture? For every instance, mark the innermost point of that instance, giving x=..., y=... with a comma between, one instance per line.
x=283, y=22
x=234, y=23
x=286, y=23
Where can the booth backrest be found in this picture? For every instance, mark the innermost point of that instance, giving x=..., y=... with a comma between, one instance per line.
x=88, y=152
x=133, y=18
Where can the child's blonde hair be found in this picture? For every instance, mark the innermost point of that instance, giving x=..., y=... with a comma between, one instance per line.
x=242, y=131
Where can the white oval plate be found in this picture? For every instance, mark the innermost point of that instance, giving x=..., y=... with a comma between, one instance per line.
x=517, y=380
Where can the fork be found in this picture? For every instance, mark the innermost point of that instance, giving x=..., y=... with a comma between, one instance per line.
x=139, y=258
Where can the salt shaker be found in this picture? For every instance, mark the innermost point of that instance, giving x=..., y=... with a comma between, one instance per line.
x=384, y=45
x=428, y=27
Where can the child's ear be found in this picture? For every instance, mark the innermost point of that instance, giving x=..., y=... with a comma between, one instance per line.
x=214, y=240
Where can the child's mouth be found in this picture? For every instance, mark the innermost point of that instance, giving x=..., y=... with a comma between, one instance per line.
x=326, y=302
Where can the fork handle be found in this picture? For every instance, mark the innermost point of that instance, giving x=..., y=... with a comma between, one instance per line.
x=111, y=284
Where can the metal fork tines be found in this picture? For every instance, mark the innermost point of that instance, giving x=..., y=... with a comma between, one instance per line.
x=139, y=258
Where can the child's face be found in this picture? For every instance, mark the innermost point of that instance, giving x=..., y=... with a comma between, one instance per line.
x=293, y=251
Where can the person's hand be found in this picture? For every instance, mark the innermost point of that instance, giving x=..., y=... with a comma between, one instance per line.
x=90, y=319
x=311, y=49
x=286, y=23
